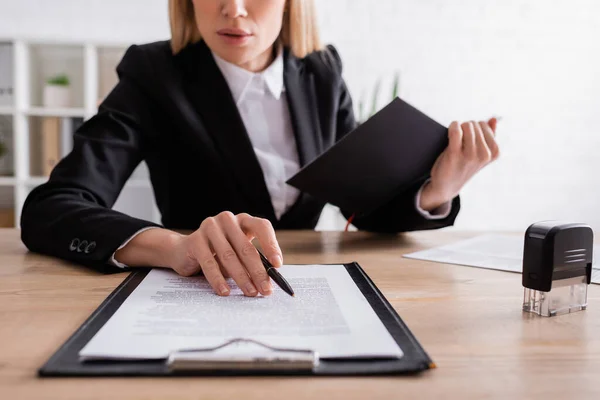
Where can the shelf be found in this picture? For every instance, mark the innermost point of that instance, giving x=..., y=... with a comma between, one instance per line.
x=36, y=180
x=55, y=112
x=6, y=140
x=7, y=210
x=47, y=61
x=108, y=59
x=7, y=181
x=7, y=85
x=50, y=139
x=37, y=124
x=7, y=110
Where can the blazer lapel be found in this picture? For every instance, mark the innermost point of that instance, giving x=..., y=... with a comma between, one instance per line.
x=212, y=98
x=300, y=90
x=302, y=100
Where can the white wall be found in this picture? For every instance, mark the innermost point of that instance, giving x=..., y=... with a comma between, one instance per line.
x=533, y=62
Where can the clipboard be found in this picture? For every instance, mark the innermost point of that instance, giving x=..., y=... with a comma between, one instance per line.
x=65, y=362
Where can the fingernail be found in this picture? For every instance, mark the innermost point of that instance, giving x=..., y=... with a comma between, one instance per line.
x=224, y=290
x=250, y=289
x=266, y=286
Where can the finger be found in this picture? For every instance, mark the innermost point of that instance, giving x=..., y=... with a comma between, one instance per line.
x=224, y=272
x=455, y=137
x=246, y=252
x=484, y=155
x=227, y=256
x=493, y=122
x=490, y=140
x=209, y=265
x=263, y=230
x=468, y=140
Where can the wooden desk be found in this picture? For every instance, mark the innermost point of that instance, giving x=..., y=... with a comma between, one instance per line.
x=469, y=320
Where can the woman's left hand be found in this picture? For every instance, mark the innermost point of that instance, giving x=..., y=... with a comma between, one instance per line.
x=471, y=146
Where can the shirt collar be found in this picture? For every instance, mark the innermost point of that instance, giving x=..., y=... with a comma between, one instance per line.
x=239, y=78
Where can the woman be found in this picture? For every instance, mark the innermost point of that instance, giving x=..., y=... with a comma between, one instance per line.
x=221, y=115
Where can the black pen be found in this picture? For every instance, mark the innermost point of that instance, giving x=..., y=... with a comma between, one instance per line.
x=275, y=275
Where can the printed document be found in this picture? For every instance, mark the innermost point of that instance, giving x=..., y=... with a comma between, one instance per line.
x=501, y=252
x=168, y=312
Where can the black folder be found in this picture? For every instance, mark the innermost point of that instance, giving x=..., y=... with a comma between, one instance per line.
x=65, y=361
x=390, y=152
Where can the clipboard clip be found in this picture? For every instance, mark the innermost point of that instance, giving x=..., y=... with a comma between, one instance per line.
x=242, y=354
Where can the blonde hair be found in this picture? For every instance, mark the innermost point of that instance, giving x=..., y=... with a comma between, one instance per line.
x=299, y=30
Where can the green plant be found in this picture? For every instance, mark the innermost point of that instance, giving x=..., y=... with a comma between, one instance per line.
x=58, y=80
x=362, y=114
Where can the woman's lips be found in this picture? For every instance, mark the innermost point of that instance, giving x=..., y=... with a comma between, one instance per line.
x=234, y=36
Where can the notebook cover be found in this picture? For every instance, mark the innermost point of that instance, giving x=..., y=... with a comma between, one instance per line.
x=392, y=150
x=65, y=361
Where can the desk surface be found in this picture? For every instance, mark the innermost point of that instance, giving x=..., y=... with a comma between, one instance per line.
x=469, y=320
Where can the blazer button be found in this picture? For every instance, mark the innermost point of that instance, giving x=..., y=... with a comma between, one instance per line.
x=90, y=247
x=82, y=246
x=74, y=244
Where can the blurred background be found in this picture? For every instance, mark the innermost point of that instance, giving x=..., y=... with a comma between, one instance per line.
x=535, y=63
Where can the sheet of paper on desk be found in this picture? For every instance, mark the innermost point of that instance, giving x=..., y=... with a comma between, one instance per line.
x=501, y=252
x=167, y=312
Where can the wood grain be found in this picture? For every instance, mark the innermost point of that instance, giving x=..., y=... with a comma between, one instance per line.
x=469, y=320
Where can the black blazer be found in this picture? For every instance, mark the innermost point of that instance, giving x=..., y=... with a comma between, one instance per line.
x=176, y=113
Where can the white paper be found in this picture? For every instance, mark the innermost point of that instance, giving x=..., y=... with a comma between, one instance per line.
x=167, y=312
x=501, y=252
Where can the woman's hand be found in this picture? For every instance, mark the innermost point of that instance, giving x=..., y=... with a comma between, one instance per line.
x=222, y=248
x=471, y=146
x=219, y=249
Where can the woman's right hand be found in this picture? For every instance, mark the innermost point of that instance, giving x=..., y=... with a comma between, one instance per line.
x=222, y=248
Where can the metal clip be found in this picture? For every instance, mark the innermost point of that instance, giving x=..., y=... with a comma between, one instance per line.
x=265, y=358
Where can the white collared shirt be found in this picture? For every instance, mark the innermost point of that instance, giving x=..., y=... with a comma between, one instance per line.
x=265, y=112
x=264, y=109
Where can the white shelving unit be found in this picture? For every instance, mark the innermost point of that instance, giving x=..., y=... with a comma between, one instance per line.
x=55, y=112
x=90, y=67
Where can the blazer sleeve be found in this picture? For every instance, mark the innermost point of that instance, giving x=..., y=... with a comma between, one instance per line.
x=401, y=213
x=70, y=216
